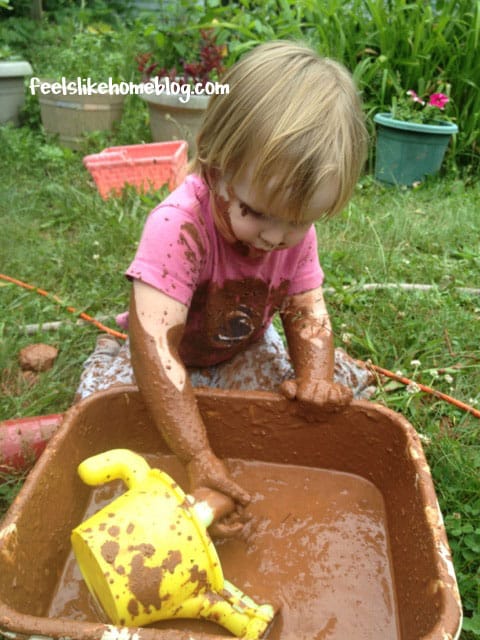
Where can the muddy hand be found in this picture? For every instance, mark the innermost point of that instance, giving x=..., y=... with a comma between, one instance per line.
x=206, y=470
x=231, y=525
x=228, y=517
x=330, y=395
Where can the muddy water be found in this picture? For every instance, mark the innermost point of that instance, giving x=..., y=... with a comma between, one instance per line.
x=316, y=545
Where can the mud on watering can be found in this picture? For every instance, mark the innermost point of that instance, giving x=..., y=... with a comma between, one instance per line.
x=147, y=556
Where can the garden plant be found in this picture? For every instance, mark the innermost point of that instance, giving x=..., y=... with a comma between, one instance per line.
x=60, y=235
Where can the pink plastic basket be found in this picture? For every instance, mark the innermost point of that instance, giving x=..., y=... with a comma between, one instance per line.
x=145, y=166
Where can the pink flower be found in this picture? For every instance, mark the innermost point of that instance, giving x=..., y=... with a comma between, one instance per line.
x=438, y=100
x=414, y=96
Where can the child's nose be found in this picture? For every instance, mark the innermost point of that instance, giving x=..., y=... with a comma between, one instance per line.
x=274, y=235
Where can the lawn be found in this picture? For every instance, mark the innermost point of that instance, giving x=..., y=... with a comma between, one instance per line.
x=58, y=234
x=402, y=265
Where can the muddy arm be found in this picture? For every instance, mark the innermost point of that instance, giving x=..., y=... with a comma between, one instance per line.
x=310, y=342
x=156, y=326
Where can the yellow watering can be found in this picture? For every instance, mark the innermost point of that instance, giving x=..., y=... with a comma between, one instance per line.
x=147, y=556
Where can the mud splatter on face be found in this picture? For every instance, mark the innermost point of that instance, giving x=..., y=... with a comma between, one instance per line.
x=221, y=213
x=221, y=209
x=245, y=211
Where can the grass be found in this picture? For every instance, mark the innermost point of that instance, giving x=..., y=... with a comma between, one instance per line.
x=10, y=485
x=58, y=234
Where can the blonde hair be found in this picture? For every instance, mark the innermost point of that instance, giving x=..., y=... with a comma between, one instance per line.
x=292, y=116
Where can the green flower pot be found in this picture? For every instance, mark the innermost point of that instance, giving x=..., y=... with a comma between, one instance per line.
x=409, y=151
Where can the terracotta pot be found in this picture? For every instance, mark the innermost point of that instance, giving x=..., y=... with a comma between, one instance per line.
x=71, y=116
x=171, y=119
x=12, y=89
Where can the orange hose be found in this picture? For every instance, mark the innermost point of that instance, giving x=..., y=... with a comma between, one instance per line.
x=385, y=372
x=80, y=314
x=426, y=389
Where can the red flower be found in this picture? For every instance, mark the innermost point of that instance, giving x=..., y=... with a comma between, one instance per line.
x=439, y=100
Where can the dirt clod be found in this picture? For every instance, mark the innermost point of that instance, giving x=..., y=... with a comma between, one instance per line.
x=37, y=357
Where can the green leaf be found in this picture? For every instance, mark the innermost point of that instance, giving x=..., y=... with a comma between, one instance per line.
x=472, y=624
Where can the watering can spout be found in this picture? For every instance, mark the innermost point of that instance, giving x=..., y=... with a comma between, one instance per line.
x=147, y=556
x=233, y=610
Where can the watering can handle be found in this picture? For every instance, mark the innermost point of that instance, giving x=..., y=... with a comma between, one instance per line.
x=219, y=503
x=116, y=464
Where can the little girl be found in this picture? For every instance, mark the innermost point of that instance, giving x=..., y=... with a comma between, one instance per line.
x=234, y=244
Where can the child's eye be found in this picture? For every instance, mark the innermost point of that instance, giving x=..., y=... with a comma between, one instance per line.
x=246, y=210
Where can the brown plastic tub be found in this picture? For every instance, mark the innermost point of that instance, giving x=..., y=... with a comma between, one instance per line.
x=366, y=442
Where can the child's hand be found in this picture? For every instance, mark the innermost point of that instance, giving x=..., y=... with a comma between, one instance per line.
x=229, y=517
x=231, y=525
x=330, y=395
x=206, y=470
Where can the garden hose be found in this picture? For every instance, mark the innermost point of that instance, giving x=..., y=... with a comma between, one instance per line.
x=380, y=371
x=80, y=314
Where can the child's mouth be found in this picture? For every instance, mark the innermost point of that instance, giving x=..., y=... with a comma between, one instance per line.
x=257, y=252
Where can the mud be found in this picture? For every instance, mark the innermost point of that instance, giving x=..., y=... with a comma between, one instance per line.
x=172, y=406
x=228, y=319
x=316, y=545
x=37, y=357
x=398, y=544
x=221, y=214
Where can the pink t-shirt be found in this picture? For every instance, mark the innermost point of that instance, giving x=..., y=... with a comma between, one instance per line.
x=231, y=297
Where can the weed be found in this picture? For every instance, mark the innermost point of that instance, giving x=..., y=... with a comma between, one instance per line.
x=10, y=485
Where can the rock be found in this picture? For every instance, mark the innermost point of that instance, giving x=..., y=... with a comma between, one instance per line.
x=37, y=357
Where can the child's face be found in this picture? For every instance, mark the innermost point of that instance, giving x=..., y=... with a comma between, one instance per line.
x=244, y=215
